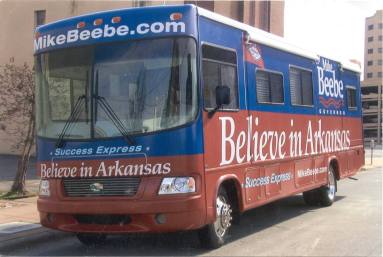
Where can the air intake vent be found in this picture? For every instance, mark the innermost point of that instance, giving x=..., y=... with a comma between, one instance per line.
x=101, y=187
x=103, y=219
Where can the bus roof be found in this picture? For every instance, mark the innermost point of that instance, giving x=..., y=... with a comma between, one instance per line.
x=254, y=34
x=263, y=37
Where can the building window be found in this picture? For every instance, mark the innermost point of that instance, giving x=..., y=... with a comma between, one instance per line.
x=379, y=74
x=219, y=69
x=369, y=63
x=380, y=25
x=40, y=17
x=265, y=7
x=370, y=39
x=369, y=75
x=380, y=38
x=252, y=13
x=351, y=98
x=209, y=5
x=138, y=3
x=380, y=62
x=269, y=87
x=371, y=27
x=370, y=51
x=380, y=50
x=301, y=86
x=240, y=10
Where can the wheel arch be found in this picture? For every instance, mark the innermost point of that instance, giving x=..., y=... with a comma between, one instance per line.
x=333, y=162
x=232, y=186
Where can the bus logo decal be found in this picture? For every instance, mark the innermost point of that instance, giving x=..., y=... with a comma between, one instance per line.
x=96, y=187
x=108, y=31
x=253, y=54
x=330, y=87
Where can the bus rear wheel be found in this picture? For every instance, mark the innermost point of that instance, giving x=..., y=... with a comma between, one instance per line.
x=214, y=235
x=324, y=195
x=311, y=197
x=327, y=193
x=90, y=239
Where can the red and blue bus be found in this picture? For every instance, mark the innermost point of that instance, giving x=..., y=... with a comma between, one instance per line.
x=172, y=118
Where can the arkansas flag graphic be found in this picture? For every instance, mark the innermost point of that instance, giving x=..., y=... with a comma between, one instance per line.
x=253, y=54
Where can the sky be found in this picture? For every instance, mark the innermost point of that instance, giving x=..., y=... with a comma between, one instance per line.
x=333, y=28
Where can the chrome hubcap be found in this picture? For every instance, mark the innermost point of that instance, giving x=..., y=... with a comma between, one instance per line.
x=331, y=185
x=223, y=221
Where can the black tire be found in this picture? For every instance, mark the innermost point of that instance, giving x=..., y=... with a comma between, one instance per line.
x=90, y=239
x=326, y=194
x=214, y=235
x=311, y=197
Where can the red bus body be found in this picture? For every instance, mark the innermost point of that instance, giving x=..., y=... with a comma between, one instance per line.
x=261, y=151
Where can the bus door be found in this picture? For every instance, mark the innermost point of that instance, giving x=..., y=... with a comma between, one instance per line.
x=225, y=127
x=255, y=173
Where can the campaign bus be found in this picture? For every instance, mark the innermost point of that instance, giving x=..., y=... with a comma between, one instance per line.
x=172, y=118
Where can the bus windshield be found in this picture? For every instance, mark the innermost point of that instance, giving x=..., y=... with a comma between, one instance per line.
x=150, y=85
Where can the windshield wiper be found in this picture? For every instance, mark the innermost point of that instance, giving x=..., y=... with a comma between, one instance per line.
x=115, y=119
x=111, y=114
x=72, y=118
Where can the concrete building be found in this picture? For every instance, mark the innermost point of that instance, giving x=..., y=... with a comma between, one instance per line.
x=19, y=19
x=372, y=84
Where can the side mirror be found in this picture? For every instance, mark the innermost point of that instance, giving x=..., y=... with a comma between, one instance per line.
x=222, y=95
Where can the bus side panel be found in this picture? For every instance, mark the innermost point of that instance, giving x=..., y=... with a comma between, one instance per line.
x=320, y=162
x=353, y=122
x=275, y=150
x=254, y=193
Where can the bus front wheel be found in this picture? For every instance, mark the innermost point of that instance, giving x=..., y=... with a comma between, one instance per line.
x=214, y=235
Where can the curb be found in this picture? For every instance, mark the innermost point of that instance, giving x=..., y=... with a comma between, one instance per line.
x=370, y=167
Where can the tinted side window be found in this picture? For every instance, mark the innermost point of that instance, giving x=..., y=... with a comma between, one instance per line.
x=301, y=86
x=269, y=86
x=219, y=69
x=351, y=98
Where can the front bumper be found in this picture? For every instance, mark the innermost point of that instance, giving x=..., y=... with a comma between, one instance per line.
x=177, y=213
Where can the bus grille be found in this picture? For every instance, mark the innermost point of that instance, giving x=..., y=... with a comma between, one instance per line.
x=101, y=187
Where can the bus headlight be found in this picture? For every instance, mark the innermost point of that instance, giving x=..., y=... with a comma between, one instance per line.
x=44, y=188
x=177, y=185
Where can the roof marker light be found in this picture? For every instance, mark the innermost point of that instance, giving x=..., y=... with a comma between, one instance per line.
x=116, y=19
x=175, y=16
x=81, y=24
x=97, y=22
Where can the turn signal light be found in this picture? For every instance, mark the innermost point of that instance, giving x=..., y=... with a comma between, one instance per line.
x=80, y=25
x=98, y=22
x=116, y=19
x=175, y=16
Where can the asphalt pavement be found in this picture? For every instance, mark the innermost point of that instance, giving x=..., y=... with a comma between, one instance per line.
x=352, y=226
